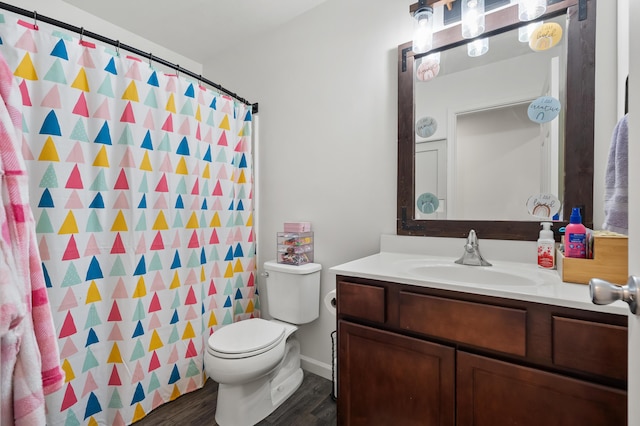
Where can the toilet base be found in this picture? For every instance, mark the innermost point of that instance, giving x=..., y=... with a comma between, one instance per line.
x=248, y=403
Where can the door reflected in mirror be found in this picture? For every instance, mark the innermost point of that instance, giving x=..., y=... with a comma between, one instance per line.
x=483, y=157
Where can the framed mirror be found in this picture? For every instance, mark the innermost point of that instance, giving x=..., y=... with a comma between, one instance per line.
x=568, y=172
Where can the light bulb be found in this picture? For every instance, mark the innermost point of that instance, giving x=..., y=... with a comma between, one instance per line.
x=423, y=30
x=524, y=33
x=472, y=18
x=478, y=47
x=531, y=9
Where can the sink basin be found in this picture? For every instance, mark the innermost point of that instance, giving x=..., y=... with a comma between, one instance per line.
x=505, y=274
x=472, y=275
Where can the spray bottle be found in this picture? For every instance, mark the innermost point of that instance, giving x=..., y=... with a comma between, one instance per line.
x=575, y=237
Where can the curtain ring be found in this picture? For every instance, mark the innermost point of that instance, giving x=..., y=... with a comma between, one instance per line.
x=35, y=20
x=150, y=59
x=118, y=48
x=177, y=70
x=200, y=80
x=81, y=33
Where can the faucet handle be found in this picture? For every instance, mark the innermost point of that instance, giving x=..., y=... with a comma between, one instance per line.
x=472, y=254
x=472, y=238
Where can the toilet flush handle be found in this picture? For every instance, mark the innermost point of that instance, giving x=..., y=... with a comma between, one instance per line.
x=265, y=274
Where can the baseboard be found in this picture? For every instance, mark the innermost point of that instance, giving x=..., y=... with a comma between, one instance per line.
x=314, y=366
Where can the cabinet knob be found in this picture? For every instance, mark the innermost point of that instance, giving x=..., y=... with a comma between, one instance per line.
x=603, y=292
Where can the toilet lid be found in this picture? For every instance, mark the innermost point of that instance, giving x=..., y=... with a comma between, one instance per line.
x=246, y=338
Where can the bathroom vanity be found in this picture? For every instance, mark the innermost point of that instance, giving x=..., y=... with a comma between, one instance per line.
x=419, y=350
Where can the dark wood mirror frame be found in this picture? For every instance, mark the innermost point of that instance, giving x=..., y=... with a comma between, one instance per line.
x=579, y=119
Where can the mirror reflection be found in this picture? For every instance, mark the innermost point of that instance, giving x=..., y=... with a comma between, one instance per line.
x=577, y=115
x=478, y=154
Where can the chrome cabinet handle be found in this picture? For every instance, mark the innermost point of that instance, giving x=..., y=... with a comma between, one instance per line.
x=603, y=292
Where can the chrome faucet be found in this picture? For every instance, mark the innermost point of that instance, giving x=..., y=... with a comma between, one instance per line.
x=471, y=255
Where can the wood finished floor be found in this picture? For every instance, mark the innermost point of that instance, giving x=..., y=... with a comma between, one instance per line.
x=310, y=405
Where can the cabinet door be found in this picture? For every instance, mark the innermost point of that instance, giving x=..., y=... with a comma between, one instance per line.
x=389, y=379
x=491, y=392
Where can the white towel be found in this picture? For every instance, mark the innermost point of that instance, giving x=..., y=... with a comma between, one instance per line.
x=616, y=199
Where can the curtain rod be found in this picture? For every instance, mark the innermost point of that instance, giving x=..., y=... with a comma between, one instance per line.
x=37, y=17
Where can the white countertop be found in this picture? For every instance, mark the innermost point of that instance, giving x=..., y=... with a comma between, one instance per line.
x=545, y=286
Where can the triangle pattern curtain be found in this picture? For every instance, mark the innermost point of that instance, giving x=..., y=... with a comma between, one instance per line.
x=141, y=185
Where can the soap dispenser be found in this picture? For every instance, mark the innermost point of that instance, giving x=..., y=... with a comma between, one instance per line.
x=546, y=247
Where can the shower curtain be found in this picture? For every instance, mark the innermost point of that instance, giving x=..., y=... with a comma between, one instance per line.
x=142, y=191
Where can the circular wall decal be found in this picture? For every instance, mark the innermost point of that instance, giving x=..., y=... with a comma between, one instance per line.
x=428, y=69
x=426, y=127
x=544, y=109
x=427, y=203
x=545, y=37
x=543, y=205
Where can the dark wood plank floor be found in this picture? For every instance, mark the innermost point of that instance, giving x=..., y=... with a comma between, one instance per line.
x=310, y=405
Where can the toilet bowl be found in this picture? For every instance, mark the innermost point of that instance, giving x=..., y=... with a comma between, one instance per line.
x=257, y=366
x=245, y=350
x=256, y=362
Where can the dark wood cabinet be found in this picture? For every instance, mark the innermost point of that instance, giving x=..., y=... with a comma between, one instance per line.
x=394, y=379
x=411, y=355
x=491, y=392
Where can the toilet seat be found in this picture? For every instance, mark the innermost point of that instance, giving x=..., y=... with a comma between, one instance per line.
x=245, y=339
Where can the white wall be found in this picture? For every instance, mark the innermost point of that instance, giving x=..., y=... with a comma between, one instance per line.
x=327, y=88
x=57, y=9
x=326, y=84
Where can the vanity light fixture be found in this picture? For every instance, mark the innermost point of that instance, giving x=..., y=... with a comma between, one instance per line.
x=472, y=18
x=531, y=9
x=423, y=28
x=478, y=47
x=423, y=16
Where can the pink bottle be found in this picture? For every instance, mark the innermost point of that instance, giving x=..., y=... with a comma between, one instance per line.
x=575, y=236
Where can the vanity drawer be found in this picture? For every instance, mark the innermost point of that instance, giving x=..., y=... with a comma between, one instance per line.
x=361, y=301
x=485, y=326
x=592, y=347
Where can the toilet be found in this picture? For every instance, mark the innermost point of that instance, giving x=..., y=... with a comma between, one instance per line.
x=256, y=362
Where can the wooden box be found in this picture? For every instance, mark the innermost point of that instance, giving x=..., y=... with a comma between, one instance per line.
x=610, y=261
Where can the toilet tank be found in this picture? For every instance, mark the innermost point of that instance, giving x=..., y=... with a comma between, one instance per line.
x=293, y=292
